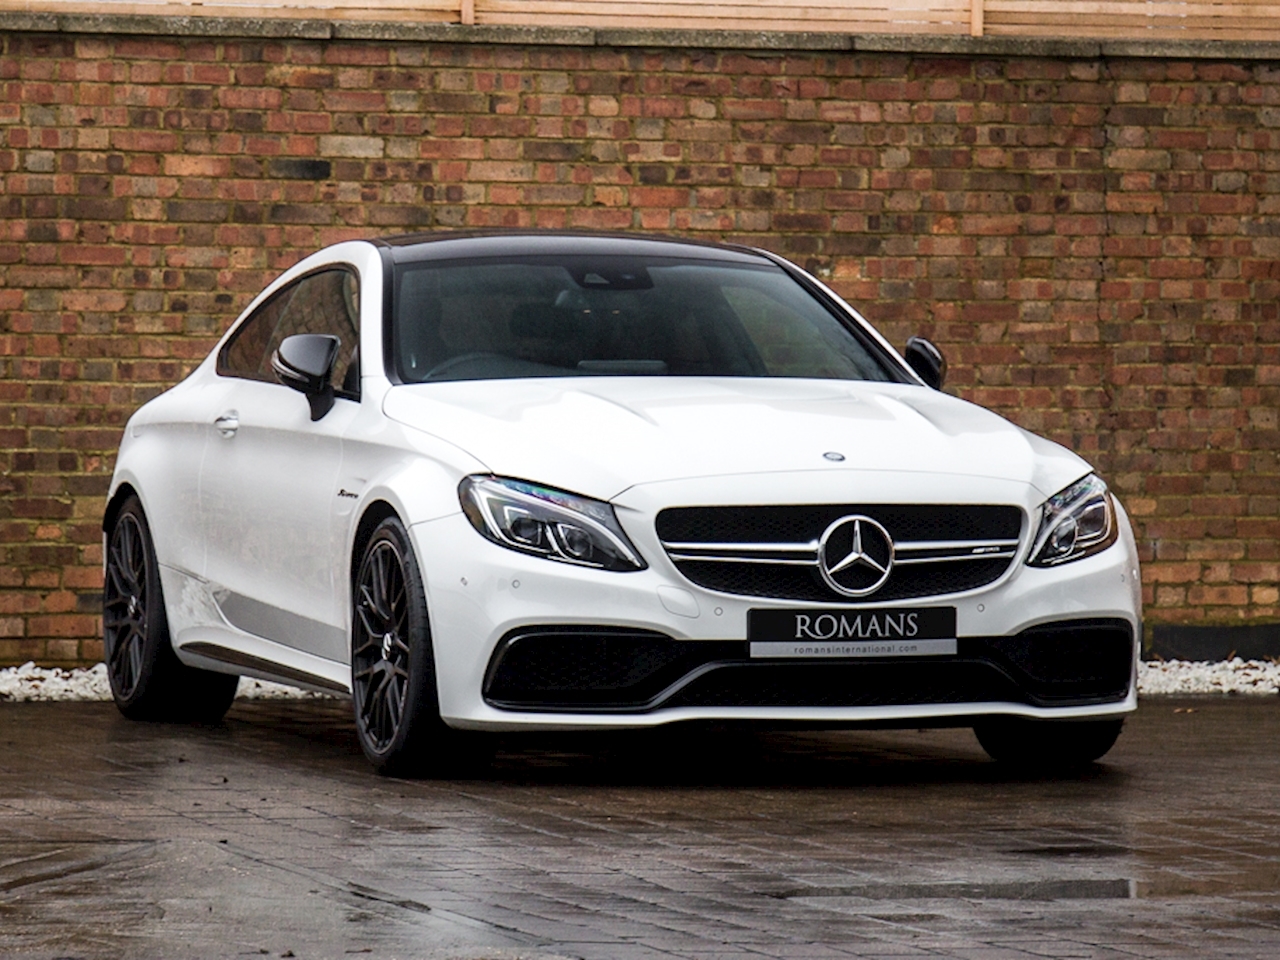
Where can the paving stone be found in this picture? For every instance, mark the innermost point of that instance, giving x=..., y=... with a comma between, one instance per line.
x=826, y=845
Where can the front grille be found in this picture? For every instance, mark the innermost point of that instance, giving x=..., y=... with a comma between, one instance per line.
x=606, y=670
x=773, y=551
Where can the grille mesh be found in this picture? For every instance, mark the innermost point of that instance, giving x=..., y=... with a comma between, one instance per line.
x=799, y=524
x=803, y=524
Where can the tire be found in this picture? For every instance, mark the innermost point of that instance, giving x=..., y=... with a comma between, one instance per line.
x=1047, y=745
x=393, y=675
x=148, y=681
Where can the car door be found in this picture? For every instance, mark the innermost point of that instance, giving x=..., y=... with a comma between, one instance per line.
x=269, y=478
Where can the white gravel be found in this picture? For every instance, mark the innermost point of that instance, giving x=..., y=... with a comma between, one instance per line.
x=1217, y=676
x=29, y=682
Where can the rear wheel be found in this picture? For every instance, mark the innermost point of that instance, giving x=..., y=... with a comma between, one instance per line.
x=148, y=681
x=1048, y=745
x=393, y=677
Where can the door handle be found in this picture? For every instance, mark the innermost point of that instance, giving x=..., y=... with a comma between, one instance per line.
x=228, y=423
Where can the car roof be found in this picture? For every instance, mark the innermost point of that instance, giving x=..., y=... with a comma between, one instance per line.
x=485, y=244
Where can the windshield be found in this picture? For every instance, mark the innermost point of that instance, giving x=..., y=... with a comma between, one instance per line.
x=618, y=316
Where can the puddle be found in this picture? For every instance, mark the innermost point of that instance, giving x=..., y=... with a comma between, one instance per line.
x=1006, y=890
x=1071, y=850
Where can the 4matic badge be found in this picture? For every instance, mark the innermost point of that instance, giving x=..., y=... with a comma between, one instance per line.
x=855, y=556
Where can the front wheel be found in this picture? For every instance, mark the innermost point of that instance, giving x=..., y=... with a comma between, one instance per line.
x=393, y=677
x=148, y=681
x=1048, y=745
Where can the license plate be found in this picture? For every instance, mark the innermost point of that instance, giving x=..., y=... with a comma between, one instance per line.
x=801, y=634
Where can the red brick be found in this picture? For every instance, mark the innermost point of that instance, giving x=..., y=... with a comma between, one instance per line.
x=1096, y=266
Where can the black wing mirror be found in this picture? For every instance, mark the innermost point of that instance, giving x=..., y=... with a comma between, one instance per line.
x=927, y=361
x=305, y=362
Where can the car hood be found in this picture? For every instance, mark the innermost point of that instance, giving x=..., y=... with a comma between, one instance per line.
x=601, y=435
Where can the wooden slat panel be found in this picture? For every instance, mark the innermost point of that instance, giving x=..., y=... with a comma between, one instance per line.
x=1104, y=19
x=1138, y=32
x=1119, y=19
x=856, y=10
x=759, y=8
x=534, y=11
x=1139, y=26
x=684, y=23
x=853, y=15
x=1136, y=19
x=1129, y=32
x=1074, y=8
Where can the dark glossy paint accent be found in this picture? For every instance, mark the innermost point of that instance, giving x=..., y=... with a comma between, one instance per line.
x=927, y=361
x=483, y=244
x=237, y=658
x=304, y=362
x=385, y=252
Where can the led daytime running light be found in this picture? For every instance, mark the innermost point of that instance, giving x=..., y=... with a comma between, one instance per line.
x=548, y=523
x=1075, y=523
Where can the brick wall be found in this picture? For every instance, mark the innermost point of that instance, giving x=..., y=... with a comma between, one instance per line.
x=1094, y=242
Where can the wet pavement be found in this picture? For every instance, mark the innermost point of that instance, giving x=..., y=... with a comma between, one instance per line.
x=267, y=836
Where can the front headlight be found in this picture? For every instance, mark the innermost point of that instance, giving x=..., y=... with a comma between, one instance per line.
x=1078, y=522
x=548, y=523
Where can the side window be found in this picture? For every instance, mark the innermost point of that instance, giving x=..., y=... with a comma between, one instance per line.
x=325, y=302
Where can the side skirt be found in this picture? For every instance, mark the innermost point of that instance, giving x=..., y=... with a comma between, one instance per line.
x=208, y=655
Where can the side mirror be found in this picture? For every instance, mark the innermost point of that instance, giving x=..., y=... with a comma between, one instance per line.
x=927, y=361
x=305, y=362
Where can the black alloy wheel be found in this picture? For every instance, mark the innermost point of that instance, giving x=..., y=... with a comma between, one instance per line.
x=124, y=605
x=148, y=681
x=380, y=656
x=1047, y=746
x=393, y=677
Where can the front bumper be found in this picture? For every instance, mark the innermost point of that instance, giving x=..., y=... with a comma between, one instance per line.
x=480, y=595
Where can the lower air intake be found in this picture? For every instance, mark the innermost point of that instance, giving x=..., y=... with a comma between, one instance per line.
x=604, y=670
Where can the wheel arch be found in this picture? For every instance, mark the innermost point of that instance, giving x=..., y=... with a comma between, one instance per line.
x=116, y=503
x=374, y=513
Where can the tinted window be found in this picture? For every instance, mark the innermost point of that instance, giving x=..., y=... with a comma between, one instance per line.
x=325, y=302
x=609, y=315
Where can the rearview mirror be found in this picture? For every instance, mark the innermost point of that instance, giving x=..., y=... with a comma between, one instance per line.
x=927, y=361
x=305, y=363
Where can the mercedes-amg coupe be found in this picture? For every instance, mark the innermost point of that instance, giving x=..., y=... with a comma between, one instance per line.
x=508, y=481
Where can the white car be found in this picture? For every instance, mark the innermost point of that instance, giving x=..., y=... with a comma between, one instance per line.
x=554, y=481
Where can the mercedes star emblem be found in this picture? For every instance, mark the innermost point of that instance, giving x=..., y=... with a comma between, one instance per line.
x=855, y=556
